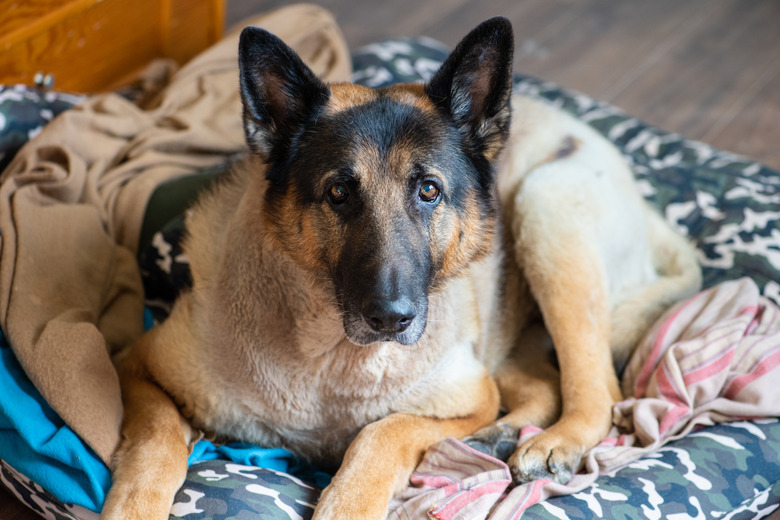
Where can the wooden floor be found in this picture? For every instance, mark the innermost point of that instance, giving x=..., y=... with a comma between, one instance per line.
x=708, y=69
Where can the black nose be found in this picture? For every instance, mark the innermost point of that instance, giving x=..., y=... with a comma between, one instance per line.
x=389, y=315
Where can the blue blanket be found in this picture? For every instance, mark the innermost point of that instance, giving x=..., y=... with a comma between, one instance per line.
x=36, y=442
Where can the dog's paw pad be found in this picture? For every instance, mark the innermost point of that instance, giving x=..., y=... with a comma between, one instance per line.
x=497, y=440
x=536, y=462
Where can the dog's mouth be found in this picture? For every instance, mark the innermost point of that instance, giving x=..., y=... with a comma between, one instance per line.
x=385, y=321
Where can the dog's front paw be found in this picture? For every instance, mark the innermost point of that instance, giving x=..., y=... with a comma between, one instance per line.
x=546, y=456
x=497, y=440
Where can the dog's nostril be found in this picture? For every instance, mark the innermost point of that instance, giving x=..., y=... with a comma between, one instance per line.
x=375, y=323
x=389, y=316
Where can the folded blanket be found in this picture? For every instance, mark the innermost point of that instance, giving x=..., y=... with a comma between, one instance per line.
x=711, y=359
x=71, y=207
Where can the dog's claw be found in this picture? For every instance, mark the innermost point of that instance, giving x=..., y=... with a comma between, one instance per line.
x=560, y=473
x=498, y=441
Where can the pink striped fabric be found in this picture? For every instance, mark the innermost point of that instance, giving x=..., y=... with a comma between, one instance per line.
x=452, y=482
x=711, y=359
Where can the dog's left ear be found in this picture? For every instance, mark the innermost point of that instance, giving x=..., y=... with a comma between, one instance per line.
x=279, y=94
x=474, y=84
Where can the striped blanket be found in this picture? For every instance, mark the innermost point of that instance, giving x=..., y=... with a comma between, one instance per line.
x=711, y=359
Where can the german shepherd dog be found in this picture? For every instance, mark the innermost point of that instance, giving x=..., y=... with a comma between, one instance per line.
x=387, y=268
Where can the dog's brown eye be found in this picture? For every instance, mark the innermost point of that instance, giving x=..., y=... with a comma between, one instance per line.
x=338, y=193
x=429, y=192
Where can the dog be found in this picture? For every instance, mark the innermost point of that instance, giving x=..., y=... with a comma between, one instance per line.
x=389, y=268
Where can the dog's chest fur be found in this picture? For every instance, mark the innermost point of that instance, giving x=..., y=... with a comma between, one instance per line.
x=291, y=389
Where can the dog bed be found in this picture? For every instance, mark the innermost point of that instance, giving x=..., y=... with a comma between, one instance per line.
x=728, y=205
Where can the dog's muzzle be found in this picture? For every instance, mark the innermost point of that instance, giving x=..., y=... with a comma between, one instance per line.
x=399, y=321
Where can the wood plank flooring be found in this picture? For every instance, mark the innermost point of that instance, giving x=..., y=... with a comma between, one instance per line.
x=708, y=69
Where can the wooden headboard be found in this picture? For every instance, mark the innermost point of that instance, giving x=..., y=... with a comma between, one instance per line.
x=95, y=45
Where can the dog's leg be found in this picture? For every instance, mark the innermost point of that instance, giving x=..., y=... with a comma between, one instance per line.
x=151, y=462
x=564, y=257
x=570, y=285
x=679, y=277
x=380, y=460
x=575, y=309
x=529, y=385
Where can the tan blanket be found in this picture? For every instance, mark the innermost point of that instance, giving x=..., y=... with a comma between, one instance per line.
x=72, y=203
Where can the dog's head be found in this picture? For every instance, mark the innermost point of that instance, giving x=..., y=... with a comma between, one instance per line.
x=382, y=193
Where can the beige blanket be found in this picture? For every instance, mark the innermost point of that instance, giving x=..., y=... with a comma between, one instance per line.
x=72, y=203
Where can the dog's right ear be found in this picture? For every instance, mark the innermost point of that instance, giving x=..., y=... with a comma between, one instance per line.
x=279, y=94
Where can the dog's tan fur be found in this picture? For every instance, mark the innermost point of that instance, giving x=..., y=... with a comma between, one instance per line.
x=257, y=351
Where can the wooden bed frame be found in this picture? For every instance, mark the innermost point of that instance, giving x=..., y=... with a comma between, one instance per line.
x=95, y=45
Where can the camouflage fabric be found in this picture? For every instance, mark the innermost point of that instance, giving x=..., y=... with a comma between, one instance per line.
x=24, y=112
x=38, y=499
x=728, y=205
x=728, y=469
x=218, y=490
x=164, y=269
